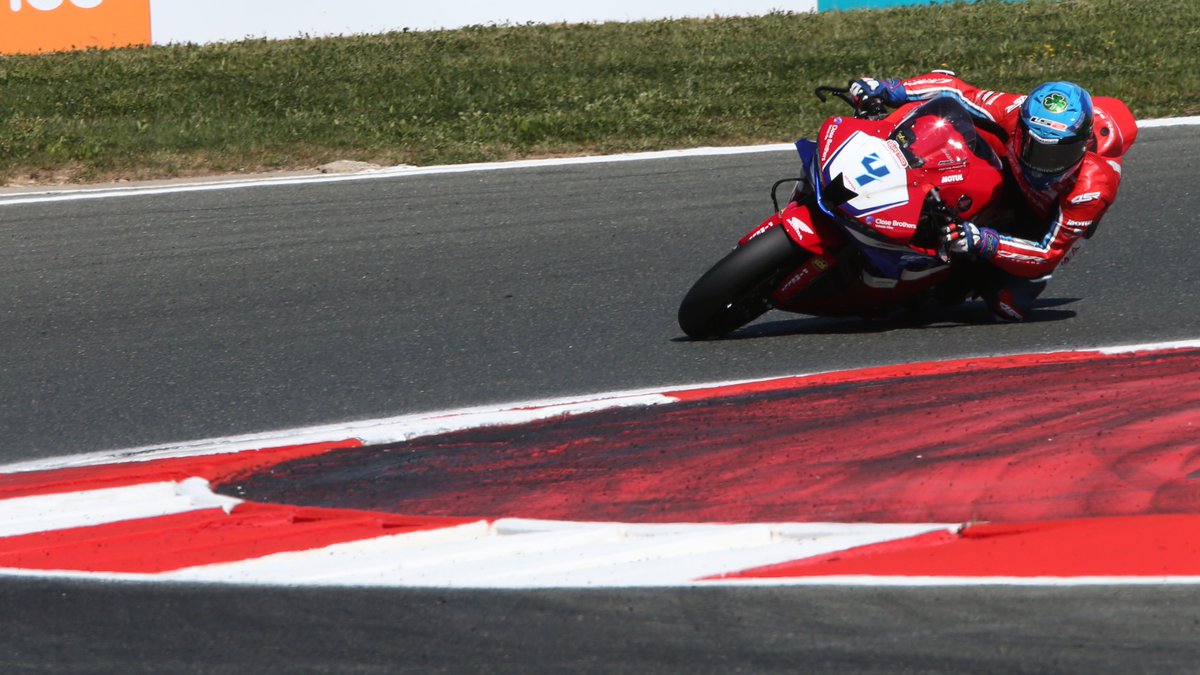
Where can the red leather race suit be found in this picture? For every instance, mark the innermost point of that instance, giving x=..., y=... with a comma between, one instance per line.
x=1054, y=221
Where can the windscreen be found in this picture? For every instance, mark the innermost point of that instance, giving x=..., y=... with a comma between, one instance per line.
x=940, y=135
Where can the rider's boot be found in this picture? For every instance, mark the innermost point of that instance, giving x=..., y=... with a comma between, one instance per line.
x=1011, y=299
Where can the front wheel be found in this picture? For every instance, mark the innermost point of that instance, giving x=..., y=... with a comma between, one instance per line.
x=736, y=290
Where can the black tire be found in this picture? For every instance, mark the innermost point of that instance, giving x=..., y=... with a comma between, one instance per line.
x=735, y=291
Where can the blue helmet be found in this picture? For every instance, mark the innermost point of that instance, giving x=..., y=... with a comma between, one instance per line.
x=1053, y=134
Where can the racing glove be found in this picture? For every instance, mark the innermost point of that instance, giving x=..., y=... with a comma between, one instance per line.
x=965, y=238
x=890, y=91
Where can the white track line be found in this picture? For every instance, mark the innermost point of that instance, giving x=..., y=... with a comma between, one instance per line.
x=1169, y=122
x=914, y=581
x=81, y=194
x=375, y=431
x=406, y=427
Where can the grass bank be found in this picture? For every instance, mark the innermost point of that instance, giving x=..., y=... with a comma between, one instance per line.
x=492, y=93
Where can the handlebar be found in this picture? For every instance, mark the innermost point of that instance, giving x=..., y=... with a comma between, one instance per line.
x=872, y=108
x=841, y=93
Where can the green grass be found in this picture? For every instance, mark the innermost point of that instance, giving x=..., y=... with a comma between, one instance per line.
x=492, y=93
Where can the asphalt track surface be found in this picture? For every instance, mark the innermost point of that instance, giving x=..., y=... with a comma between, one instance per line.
x=145, y=320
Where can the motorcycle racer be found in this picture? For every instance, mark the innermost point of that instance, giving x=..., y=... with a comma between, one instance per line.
x=1062, y=151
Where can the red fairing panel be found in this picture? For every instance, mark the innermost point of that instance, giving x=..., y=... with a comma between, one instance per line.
x=802, y=225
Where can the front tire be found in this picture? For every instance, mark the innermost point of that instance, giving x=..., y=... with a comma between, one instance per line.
x=735, y=291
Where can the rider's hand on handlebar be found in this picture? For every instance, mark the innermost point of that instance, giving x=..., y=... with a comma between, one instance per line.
x=965, y=238
x=890, y=91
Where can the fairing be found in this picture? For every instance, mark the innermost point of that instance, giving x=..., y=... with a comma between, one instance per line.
x=875, y=176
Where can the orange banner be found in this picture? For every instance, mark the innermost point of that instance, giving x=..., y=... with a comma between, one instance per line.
x=32, y=26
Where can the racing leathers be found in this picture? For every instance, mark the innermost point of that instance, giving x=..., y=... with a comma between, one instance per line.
x=1041, y=224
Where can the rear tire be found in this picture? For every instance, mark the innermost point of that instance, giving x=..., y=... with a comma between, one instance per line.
x=736, y=290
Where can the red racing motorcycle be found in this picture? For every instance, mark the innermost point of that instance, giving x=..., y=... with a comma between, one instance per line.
x=861, y=232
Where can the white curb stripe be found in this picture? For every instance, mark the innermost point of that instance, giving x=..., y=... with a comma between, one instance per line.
x=516, y=553
x=45, y=513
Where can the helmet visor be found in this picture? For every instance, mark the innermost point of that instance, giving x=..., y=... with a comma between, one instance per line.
x=1049, y=156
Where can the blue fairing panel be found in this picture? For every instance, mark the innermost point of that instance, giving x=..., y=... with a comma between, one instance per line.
x=807, y=150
